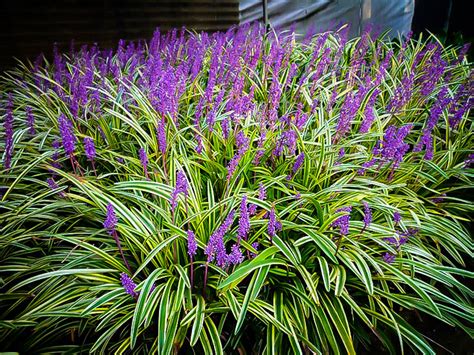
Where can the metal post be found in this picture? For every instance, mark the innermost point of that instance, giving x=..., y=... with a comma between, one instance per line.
x=265, y=14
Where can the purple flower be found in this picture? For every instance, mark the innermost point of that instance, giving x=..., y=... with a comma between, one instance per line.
x=272, y=223
x=262, y=194
x=403, y=93
x=397, y=217
x=343, y=221
x=110, y=222
x=442, y=101
x=348, y=111
x=341, y=154
x=235, y=257
x=244, y=220
x=128, y=285
x=232, y=166
x=53, y=186
x=181, y=187
x=192, y=245
x=438, y=199
x=402, y=238
x=388, y=258
x=161, y=136
x=255, y=246
x=30, y=120
x=242, y=144
x=390, y=150
x=367, y=215
x=215, y=248
x=299, y=161
x=8, y=125
x=67, y=135
x=89, y=148
x=469, y=161
x=369, y=116
x=433, y=70
x=143, y=160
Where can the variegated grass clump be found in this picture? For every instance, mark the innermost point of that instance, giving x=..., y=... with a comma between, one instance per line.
x=236, y=192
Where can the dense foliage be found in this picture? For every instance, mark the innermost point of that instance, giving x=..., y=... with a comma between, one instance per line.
x=236, y=192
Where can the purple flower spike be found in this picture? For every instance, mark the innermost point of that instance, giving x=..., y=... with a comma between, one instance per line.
x=161, y=136
x=255, y=246
x=110, y=222
x=262, y=193
x=192, y=245
x=67, y=135
x=235, y=257
x=244, y=221
x=299, y=161
x=53, y=186
x=8, y=125
x=469, y=161
x=367, y=215
x=388, y=258
x=397, y=218
x=343, y=221
x=143, y=160
x=272, y=223
x=215, y=248
x=128, y=285
x=181, y=187
x=89, y=148
x=30, y=120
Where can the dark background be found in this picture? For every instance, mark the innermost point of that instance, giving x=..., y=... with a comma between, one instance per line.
x=28, y=28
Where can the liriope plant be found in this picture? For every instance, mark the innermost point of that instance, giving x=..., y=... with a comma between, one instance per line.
x=236, y=192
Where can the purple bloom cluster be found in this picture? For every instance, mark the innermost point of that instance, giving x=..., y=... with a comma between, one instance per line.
x=402, y=237
x=143, y=160
x=53, y=186
x=397, y=217
x=255, y=245
x=262, y=195
x=469, y=161
x=67, y=135
x=89, y=148
x=128, y=285
x=426, y=141
x=30, y=120
x=403, y=93
x=391, y=149
x=8, y=126
x=298, y=162
x=438, y=199
x=433, y=69
x=274, y=225
x=343, y=221
x=235, y=256
x=244, y=220
x=242, y=145
x=388, y=258
x=110, y=222
x=181, y=187
x=161, y=136
x=192, y=245
x=369, y=116
x=215, y=249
